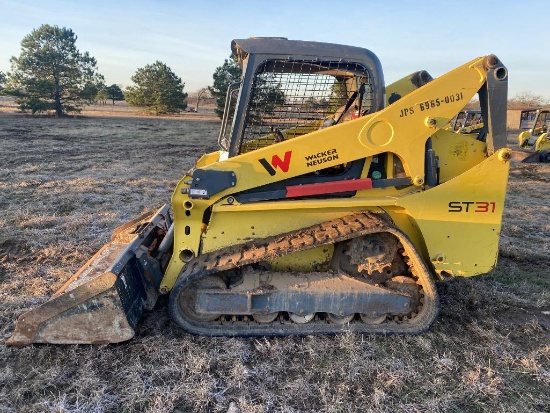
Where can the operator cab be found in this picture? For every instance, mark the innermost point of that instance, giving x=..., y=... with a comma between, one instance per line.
x=294, y=88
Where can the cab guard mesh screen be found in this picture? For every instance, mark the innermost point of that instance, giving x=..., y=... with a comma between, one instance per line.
x=292, y=98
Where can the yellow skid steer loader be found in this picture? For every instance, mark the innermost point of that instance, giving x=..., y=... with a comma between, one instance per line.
x=534, y=140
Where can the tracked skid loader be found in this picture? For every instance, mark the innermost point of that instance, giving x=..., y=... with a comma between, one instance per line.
x=534, y=140
x=333, y=204
x=467, y=121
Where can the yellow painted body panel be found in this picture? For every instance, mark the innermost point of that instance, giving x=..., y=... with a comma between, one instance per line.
x=317, y=259
x=400, y=87
x=457, y=153
x=208, y=159
x=460, y=220
x=542, y=143
x=523, y=136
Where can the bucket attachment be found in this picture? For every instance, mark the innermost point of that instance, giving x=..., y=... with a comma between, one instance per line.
x=104, y=300
x=535, y=157
x=526, y=156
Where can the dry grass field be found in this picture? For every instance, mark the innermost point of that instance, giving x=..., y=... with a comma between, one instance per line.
x=66, y=183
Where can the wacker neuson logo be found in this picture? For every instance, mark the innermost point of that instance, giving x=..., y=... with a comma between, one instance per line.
x=321, y=157
x=277, y=162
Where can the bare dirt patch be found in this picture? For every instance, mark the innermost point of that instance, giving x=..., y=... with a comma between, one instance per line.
x=65, y=184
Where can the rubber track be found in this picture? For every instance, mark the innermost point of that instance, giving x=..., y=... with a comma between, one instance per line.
x=330, y=232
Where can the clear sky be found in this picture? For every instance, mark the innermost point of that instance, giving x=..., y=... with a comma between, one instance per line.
x=193, y=37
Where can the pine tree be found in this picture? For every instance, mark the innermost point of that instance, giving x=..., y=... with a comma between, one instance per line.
x=51, y=74
x=225, y=75
x=157, y=89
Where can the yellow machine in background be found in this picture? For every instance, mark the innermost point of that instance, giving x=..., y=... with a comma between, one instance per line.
x=467, y=121
x=333, y=204
x=534, y=138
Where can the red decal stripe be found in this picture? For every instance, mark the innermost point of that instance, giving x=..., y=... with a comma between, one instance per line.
x=328, y=187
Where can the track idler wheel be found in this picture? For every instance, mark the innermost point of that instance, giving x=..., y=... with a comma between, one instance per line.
x=265, y=318
x=301, y=319
x=188, y=298
x=373, y=320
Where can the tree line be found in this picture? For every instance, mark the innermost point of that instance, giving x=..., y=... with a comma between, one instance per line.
x=52, y=75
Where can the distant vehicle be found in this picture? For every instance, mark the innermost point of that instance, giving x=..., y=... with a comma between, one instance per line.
x=535, y=138
x=467, y=121
x=527, y=118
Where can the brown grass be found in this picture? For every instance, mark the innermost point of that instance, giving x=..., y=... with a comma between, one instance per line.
x=64, y=186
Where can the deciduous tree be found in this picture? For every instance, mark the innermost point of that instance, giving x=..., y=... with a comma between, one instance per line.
x=202, y=94
x=157, y=89
x=527, y=100
x=51, y=74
